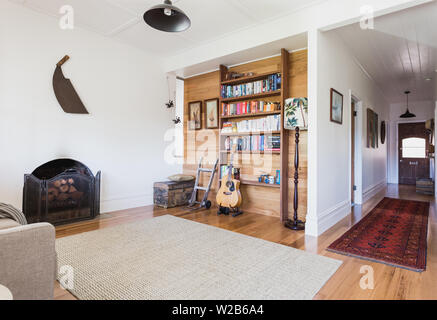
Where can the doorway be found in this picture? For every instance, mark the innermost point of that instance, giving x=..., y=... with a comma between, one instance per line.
x=413, y=146
x=353, y=117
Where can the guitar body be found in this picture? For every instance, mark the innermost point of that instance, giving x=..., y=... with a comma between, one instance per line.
x=229, y=195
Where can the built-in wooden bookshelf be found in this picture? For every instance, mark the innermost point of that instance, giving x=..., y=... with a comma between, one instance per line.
x=282, y=155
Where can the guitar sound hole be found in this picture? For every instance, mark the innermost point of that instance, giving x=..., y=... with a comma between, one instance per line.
x=230, y=186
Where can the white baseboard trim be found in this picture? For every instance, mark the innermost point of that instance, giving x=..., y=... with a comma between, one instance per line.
x=328, y=218
x=372, y=190
x=129, y=202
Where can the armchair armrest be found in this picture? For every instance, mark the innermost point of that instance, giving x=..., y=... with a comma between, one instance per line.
x=28, y=261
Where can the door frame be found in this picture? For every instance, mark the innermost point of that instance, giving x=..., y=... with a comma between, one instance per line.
x=398, y=122
x=357, y=153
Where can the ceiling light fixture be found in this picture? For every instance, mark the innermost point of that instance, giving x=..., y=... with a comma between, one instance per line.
x=166, y=17
x=408, y=114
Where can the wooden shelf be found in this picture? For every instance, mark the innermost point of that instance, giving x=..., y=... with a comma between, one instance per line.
x=255, y=77
x=237, y=134
x=258, y=184
x=252, y=152
x=252, y=96
x=257, y=114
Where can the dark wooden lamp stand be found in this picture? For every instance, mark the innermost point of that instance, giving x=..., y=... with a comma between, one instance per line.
x=296, y=224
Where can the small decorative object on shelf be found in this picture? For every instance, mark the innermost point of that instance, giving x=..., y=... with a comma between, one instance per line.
x=296, y=112
x=235, y=75
x=269, y=179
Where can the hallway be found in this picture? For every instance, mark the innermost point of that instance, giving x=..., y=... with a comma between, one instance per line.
x=390, y=282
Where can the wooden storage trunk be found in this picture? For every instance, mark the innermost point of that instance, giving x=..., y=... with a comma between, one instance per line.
x=171, y=194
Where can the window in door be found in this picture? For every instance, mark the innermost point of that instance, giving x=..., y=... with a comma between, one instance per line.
x=414, y=148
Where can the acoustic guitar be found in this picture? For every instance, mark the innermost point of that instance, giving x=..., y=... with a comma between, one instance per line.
x=229, y=195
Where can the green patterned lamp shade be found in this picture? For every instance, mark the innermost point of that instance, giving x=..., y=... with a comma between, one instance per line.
x=296, y=113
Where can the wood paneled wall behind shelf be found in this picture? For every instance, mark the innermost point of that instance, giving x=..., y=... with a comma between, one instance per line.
x=204, y=142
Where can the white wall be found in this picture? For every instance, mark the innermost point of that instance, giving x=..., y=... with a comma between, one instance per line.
x=123, y=88
x=336, y=68
x=424, y=110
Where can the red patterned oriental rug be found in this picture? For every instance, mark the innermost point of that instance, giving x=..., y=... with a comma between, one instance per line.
x=394, y=233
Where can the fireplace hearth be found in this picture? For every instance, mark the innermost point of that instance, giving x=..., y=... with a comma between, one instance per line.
x=61, y=191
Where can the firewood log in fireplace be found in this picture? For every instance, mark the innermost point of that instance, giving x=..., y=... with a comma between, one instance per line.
x=63, y=190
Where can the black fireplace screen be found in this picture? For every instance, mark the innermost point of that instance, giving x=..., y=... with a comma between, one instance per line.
x=61, y=191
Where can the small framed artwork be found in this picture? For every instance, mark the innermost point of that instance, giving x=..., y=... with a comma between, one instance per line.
x=211, y=114
x=195, y=115
x=372, y=129
x=336, y=106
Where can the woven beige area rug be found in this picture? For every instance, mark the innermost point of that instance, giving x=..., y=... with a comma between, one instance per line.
x=174, y=258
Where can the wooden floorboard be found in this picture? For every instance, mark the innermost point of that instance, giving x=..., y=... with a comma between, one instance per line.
x=390, y=282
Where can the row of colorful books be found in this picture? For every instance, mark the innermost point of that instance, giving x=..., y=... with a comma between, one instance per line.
x=254, y=143
x=271, y=83
x=266, y=124
x=249, y=107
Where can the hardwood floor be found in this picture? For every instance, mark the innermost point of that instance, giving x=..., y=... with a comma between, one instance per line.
x=390, y=282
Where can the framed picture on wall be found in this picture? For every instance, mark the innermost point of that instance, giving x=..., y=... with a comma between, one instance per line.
x=211, y=114
x=336, y=106
x=372, y=129
x=195, y=115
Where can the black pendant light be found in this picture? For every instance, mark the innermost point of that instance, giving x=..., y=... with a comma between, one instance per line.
x=408, y=114
x=166, y=17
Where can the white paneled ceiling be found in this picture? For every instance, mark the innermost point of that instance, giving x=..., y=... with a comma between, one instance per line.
x=400, y=53
x=211, y=19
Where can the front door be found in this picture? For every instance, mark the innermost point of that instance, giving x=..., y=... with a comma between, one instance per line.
x=413, y=142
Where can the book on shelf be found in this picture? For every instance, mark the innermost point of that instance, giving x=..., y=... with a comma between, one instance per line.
x=271, y=83
x=254, y=143
x=266, y=124
x=249, y=107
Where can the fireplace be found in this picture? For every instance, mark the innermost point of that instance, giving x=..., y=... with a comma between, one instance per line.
x=61, y=191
